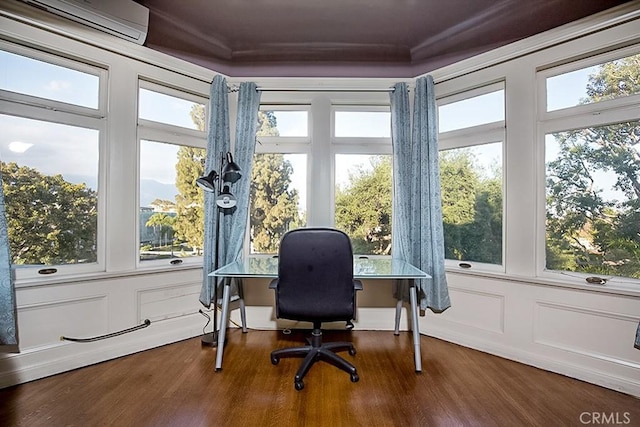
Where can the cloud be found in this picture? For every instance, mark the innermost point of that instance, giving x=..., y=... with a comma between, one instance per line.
x=58, y=85
x=19, y=146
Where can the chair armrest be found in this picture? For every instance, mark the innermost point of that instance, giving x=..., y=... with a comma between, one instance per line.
x=357, y=285
x=273, y=284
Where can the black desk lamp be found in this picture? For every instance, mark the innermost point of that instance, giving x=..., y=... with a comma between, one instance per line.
x=229, y=173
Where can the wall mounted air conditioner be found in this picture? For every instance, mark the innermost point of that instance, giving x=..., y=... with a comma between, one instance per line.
x=122, y=18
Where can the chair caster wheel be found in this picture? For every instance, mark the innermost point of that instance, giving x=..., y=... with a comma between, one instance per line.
x=352, y=351
x=275, y=360
x=299, y=385
x=355, y=378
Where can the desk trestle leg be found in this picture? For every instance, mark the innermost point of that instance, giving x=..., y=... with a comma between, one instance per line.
x=415, y=327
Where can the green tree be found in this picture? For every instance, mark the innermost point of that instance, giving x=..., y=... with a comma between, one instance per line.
x=274, y=204
x=162, y=225
x=267, y=124
x=50, y=221
x=189, y=222
x=586, y=230
x=471, y=208
x=363, y=208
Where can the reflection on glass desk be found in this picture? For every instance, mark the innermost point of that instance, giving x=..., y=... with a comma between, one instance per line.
x=363, y=269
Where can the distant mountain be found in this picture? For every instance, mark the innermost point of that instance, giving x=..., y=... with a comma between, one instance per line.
x=149, y=189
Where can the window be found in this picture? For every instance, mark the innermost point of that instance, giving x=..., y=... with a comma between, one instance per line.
x=363, y=177
x=472, y=110
x=471, y=175
x=292, y=184
x=50, y=177
x=363, y=124
x=592, y=170
x=278, y=196
x=277, y=122
x=172, y=157
x=50, y=159
x=583, y=86
x=39, y=79
x=170, y=109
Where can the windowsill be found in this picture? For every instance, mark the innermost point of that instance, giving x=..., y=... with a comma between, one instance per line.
x=628, y=289
x=87, y=277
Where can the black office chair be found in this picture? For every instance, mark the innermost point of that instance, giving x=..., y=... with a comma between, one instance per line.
x=315, y=284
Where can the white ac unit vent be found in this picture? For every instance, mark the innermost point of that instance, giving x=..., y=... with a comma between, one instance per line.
x=122, y=18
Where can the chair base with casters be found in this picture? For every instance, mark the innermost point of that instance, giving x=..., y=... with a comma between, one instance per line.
x=316, y=350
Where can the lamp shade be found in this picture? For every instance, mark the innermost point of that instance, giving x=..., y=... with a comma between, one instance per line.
x=225, y=199
x=207, y=182
x=230, y=171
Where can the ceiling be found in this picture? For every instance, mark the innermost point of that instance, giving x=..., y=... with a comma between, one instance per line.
x=348, y=38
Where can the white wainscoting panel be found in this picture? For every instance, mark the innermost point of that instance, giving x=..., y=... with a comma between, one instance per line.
x=587, y=332
x=42, y=325
x=170, y=301
x=487, y=313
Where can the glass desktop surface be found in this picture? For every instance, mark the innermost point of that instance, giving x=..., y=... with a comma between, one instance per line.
x=363, y=268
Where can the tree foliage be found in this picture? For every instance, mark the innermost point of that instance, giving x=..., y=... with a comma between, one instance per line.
x=471, y=209
x=363, y=208
x=189, y=222
x=589, y=229
x=274, y=204
x=162, y=225
x=50, y=221
x=188, y=225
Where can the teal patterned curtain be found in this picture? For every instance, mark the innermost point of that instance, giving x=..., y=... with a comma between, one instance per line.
x=246, y=127
x=418, y=235
x=8, y=335
x=234, y=221
x=218, y=142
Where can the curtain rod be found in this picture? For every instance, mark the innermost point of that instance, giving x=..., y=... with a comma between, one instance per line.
x=323, y=89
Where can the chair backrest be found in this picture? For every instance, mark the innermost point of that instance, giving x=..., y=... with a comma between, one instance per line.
x=315, y=276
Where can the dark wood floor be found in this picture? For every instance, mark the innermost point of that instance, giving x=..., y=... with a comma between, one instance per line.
x=176, y=385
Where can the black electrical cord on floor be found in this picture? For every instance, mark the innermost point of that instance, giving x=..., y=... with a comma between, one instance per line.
x=208, y=321
x=146, y=323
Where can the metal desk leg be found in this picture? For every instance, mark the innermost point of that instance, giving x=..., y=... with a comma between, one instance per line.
x=396, y=331
x=243, y=314
x=415, y=328
x=224, y=321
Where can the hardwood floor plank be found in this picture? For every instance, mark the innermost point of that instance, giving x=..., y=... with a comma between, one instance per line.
x=176, y=385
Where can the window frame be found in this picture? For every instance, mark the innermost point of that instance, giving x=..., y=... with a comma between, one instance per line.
x=608, y=112
x=595, y=108
x=355, y=140
x=345, y=145
x=153, y=131
x=284, y=145
x=56, y=112
x=474, y=136
x=64, y=61
x=286, y=140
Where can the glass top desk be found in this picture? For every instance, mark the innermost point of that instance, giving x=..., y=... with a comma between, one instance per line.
x=363, y=269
